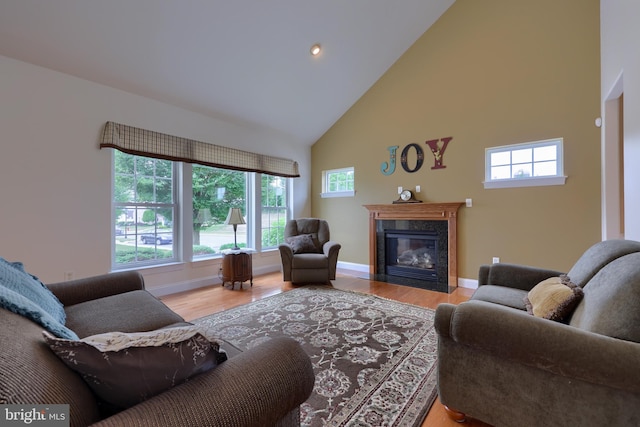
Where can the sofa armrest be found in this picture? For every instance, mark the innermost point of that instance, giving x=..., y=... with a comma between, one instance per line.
x=514, y=275
x=330, y=250
x=90, y=288
x=543, y=344
x=255, y=388
x=286, y=255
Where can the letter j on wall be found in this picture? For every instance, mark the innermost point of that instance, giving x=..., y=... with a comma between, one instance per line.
x=389, y=168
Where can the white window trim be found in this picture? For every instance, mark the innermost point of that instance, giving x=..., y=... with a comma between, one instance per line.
x=535, y=181
x=331, y=194
x=338, y=194
x=526, y=182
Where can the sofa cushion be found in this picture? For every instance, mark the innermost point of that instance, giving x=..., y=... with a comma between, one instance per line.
x=125, y=369
x=306, y=261
x=116, y=313
x=302, y=244
x=503, y=295
x=553, y=298
x=23, y=294
x=611, y=301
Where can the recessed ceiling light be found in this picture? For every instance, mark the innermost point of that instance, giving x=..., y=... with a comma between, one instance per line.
x=315, y=49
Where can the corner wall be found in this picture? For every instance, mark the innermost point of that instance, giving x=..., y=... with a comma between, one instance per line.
x=487, y=73
x=621, y=68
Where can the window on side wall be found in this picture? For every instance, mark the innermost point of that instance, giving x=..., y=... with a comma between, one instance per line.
x=530, y=164
x=338, y=182
x=144, y=211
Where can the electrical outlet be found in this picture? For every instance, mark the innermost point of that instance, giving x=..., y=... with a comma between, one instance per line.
x=496, y=260
x=469, y=203
x=399, y=190
x=417, y=188
x=68, y=275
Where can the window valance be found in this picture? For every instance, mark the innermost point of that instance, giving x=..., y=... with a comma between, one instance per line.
x=158, y=145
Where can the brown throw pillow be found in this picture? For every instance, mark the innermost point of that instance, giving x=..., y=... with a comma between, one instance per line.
x=124, y=369
x=553, y=298
x=302, y=244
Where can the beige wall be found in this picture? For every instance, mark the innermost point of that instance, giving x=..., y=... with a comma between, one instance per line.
x=488, y=73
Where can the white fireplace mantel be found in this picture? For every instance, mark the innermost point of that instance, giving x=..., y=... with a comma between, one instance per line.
x=417, y=211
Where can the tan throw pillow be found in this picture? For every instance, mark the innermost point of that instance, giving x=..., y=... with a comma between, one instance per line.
x=553, y=298
x=124, y=369
x=302, y=244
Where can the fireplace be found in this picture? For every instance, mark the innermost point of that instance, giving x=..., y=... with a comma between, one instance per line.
x=412, y=254
x=421, y=229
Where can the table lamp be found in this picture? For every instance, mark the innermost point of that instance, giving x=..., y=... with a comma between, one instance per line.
x=234, y=218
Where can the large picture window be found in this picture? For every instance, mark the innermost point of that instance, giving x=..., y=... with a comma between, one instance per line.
x=144, y=210
x=216, y=190
x=148, y=199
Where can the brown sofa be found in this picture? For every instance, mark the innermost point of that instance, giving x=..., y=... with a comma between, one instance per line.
x=263, y=386
x=501, y=365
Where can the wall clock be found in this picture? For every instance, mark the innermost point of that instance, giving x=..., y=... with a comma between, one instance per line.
x=406, y=196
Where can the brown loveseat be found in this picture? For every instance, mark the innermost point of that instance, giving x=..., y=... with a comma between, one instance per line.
x=499, y=364
x=263, y=386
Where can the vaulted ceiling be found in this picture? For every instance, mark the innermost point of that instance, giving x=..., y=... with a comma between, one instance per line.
x=242, y=60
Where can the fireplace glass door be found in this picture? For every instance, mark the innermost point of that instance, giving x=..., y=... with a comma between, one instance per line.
x=412, y=254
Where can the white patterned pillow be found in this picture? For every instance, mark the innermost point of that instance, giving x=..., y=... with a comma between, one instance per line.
x=124, y=369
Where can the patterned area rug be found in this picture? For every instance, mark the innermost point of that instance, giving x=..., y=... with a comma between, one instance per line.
x=374, y=359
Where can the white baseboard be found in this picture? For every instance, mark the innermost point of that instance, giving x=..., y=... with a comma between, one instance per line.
x=352, y=266
x=189, y=285
x=467, y=283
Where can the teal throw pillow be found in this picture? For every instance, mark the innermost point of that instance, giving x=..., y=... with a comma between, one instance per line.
x=24, y=294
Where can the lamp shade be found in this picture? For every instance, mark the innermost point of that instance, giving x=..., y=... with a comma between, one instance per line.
x=234, y=217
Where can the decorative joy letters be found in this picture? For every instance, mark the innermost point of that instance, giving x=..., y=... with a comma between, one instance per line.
x=387, y=168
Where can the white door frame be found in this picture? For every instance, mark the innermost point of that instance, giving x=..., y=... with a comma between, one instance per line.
x=613, y=163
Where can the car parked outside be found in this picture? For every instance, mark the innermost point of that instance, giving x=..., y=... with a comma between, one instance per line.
x=160, y=239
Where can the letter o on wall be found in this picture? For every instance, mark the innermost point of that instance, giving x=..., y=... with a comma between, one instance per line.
x=419, y=154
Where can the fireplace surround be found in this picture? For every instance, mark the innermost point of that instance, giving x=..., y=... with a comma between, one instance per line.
x=436, y=219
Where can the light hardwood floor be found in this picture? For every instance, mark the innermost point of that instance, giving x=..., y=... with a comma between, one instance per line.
x=204, y=301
